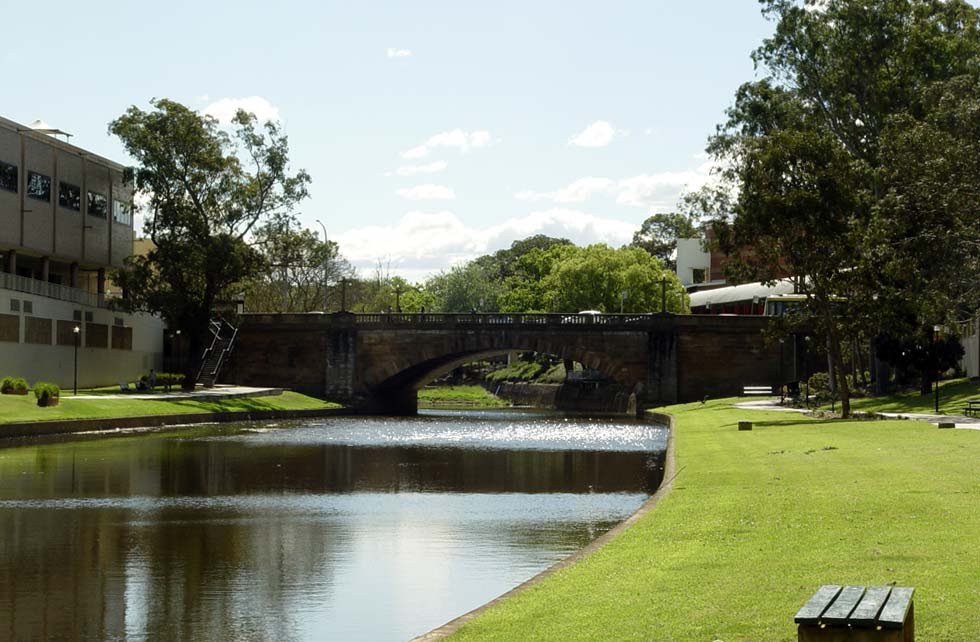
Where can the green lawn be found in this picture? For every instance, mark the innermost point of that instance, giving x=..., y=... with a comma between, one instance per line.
x=758, y=520
x=470, y=396
x=14, y=408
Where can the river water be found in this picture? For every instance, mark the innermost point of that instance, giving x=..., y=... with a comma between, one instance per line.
x=330, y=529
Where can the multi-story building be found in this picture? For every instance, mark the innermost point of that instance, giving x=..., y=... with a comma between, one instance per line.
x=65, y=223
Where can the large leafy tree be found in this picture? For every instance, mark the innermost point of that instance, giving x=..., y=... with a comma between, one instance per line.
x=302, y=272
x=206, y=191
x=659, y=233
x=566, y=278
x=804, y=147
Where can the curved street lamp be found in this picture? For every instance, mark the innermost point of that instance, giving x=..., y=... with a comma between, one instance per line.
x=325, y=263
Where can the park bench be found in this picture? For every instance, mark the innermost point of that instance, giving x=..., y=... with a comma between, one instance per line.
x=972, y=407
x=756, y=390
x=857, y=614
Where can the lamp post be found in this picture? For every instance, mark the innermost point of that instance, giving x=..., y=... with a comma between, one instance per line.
x=326, y=260
x=177, y=346
x=77, y=332
x=936, y=329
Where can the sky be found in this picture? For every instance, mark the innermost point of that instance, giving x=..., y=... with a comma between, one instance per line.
x=434, y=131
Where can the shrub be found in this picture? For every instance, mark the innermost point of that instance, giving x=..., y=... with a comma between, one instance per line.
x=169, y=379
x=10, y=384
x=45, y=392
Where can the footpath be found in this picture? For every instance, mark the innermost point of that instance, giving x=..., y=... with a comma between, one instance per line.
x=959, y=421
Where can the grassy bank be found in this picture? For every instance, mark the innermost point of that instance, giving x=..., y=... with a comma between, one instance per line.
x=952, y=398
x=15, y=408
x=466, y=396
x=758, y=520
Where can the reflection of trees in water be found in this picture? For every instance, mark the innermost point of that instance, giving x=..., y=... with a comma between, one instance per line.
x=228, y=567
x=232, y=576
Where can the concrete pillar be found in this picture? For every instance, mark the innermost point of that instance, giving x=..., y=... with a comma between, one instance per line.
x=73, y=275
x=45, y=268
x=11, y=262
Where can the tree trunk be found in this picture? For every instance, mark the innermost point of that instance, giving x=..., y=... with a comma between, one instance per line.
x=834, y=349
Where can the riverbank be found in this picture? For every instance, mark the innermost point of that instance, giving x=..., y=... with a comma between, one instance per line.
x=758, y=520
x=459, y=397
x=21, y=417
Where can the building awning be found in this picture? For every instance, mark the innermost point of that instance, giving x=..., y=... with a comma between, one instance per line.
x=740, y=293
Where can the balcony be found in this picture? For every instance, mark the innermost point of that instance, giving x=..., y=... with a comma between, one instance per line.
x=51, y=290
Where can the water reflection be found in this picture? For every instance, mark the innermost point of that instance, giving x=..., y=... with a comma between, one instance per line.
x=292, y=533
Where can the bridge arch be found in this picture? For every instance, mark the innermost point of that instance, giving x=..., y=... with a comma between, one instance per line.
x=379, y=361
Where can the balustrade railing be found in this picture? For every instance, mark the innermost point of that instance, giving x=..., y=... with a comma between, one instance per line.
x=52, y=290
x=474, y=319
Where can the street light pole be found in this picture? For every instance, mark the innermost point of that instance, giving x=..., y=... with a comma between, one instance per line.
x=326, y=260
x=935, y=356
x=77, y=331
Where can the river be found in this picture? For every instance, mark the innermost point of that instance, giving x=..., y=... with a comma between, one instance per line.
x=330, y=529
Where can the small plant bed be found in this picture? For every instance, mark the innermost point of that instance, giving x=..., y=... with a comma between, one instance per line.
x=47, y=394
x=459, y=396
x=13, y=386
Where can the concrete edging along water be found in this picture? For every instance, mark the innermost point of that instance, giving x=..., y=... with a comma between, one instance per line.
x=69, y=426
x=666, y=485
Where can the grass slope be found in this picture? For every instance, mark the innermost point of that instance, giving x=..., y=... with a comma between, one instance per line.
x=758, y=520
x=952, y=398
x=15, y=408
x=469, y=396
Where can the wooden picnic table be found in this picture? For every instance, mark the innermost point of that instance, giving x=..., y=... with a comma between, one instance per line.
x=972, y=407
x=857, y=614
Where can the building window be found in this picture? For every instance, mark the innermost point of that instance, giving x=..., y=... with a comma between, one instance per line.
x=69, y=196
x=76, y=315
x=88, y=317
x=8, y=177
x=15, y=305
x=98, y=205
x=121, y=213
x=28, y=307
x=39, y=186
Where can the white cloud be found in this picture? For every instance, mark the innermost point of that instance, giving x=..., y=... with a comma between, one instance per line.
x=421, y=244
x=431, y=168
x=598, y=134
x=454, y=139
x=394, y=52
x=581, y=190
x=224, y=110
x=660, y=191
x=427, y=192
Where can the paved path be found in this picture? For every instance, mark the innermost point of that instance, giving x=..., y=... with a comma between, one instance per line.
x=771, y=403
x=218, y=392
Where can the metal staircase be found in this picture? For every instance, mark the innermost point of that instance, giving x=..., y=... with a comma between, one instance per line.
x=215, y=356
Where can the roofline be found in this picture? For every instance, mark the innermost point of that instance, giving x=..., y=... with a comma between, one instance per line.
x=51, y=140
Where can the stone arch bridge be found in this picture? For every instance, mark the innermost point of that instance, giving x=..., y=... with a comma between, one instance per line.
x=380, y=361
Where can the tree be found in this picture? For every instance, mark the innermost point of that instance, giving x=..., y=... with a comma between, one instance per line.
x=659, y=233
x=206, y=192
x=570, y=279
x=803, y=145
x=299, y=270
